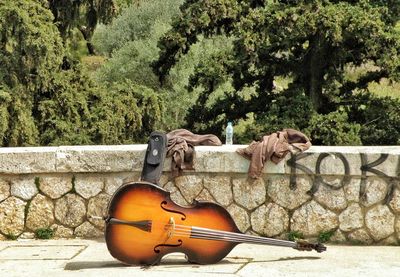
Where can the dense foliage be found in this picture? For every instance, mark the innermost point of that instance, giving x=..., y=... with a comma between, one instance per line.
x=311, y=44
x=83, y=14
x=50, y=101
x=130, y=43
x=166, y=64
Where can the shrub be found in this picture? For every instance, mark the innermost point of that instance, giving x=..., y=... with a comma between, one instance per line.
x=295, y=235
x=333, y=129
x=379, y=118
x=325, y=236
x=44, y=233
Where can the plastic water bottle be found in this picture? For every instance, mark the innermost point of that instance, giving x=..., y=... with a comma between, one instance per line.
x=229, y=134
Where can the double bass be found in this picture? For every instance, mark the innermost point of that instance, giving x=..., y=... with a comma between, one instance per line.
x=143, y=224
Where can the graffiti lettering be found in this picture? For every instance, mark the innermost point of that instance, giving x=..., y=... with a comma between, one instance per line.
x=369, y=167
x=365, y=167
x=292, y=163
x=346, y=176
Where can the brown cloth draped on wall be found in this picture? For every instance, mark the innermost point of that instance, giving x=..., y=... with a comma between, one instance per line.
x=273, y=147
x=181, y=144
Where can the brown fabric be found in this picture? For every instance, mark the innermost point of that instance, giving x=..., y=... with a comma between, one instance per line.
x=181, y=144
x=273, y=147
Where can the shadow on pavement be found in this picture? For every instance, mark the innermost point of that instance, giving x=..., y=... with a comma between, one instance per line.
x=167, y=262
x=289, y=259
x=93, y=264
x=115, y=264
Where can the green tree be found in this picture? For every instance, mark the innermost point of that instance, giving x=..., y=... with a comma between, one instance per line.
x=127, y=113
x=46, y=101
x=309, y=43
x=83, y=14
x=30, y=51
x=130, y=43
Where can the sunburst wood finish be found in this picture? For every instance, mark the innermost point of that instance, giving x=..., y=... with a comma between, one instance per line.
x=144, y=224
x=143, y=201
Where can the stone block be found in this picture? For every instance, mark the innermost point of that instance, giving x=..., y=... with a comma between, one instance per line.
x=12, y=216
x=27, y=235
x=70, y=210
x=55, y=187
x=360, y=236
x=280, y=192
x=40, y=213
x=395, y=202
x=219, y=187
x=351, y=218
x=397, y=227
x=131, y=177
x=205, y=195
x=240, y=217
x=98, y=207
x=112, y=184
x=352, y=190
x=392, y=240
x=249, y=193
x=88, y=186
x=375, y=191
x=24, y=187
x=4, y=190
x=175, y=194
x=338, y=237
x=380, y=222
x=190, y=186
x=164, y=179
x=333, y=199
x=311, y=219
x=87, y=230
x=61, y=231
x=270, y=220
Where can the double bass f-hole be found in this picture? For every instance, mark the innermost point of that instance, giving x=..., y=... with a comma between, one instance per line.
x=167, y=245
x=164, y=203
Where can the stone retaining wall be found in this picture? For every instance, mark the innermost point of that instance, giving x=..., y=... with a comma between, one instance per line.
x=351, y=193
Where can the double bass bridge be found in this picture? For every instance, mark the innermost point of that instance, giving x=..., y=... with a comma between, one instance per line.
x=170, y=228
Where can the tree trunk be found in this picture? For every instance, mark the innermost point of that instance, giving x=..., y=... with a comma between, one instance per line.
x=87, y=35
x=315, y=67
x=90, y=48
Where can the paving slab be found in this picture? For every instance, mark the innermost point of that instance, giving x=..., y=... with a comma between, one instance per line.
x=38, y=252
x=91, y=258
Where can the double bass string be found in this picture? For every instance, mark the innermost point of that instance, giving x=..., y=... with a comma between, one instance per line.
x=219, y=235
x=209, y=234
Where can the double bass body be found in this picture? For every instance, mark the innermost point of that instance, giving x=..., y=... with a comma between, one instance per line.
x=144, y=224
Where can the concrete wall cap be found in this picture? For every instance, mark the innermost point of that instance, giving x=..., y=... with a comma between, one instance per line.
x=209, y=159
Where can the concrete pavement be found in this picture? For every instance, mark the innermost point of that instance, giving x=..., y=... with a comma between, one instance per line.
x=91, y=258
